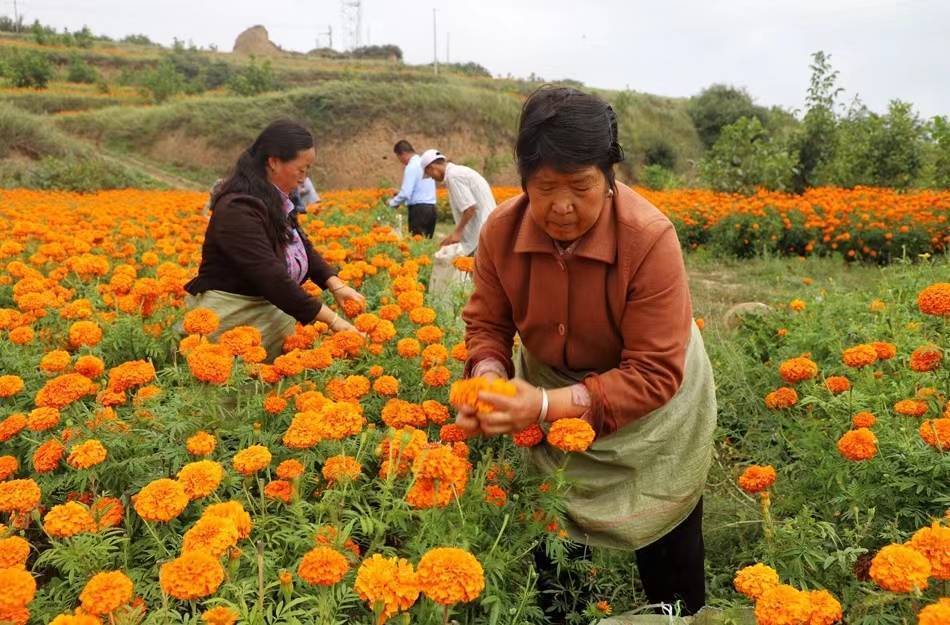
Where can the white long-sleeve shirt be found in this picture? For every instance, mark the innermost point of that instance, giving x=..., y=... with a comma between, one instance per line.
x=415, y=189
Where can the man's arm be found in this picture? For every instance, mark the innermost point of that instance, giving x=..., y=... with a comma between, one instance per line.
x=467, y=215
x=410, y=176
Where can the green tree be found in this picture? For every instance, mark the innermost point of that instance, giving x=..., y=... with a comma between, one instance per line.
x=745, y=157
x=897, y=146
x=254, y=78
x=940, y=135
x=163, y=82
x=718, y=106
x=80, y=71
x=29, y=68
x=816, y=142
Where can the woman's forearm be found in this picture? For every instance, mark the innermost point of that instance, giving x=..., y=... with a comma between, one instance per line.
x=334, y=282
x=562, y=404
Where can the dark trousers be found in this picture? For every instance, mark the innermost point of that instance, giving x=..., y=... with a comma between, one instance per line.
x=422, y=218
x=671, y=570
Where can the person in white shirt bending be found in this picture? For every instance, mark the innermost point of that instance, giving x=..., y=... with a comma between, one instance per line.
x=469, y=195
x=416, y=192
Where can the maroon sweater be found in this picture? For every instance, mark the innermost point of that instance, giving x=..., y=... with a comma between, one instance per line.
x=240, y=255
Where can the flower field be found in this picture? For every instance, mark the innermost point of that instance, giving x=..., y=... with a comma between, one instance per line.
x=151, y=475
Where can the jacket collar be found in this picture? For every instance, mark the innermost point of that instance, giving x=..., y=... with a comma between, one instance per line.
x=599, y=243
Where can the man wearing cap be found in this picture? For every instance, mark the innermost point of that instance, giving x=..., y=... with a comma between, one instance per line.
x=469, y=195
x=416, y=191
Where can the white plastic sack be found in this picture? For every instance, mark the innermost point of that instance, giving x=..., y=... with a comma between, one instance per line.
x=446, y=281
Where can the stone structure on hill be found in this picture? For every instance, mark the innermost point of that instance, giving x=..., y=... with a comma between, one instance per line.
x=255, y=41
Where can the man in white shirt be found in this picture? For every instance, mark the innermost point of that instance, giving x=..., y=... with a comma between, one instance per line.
x=470, y=196
x=304, y=195
x=416, y=191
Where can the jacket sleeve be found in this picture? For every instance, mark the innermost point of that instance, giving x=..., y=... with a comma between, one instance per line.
x=656, y=328
x=489, y=328
x=240, y=230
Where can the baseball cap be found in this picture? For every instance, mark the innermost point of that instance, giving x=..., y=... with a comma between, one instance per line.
x=430, y=156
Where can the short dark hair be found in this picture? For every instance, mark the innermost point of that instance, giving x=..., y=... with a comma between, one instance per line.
x=403, y=147
x=568, y=130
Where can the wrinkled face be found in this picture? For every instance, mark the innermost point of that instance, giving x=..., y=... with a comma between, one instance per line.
x=436, y=171
x=288, y=175
x=566, y=205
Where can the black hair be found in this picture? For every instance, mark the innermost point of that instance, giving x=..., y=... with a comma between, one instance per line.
x=282, y=139
x=403, y=147
x=568, y=130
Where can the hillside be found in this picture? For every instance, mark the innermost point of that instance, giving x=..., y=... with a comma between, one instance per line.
x=356, y=108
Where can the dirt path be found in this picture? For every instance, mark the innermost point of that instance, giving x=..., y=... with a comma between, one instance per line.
x=172, y=180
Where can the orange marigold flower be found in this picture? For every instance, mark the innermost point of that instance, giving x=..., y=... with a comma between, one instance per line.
x=898, y=568
x=753, y=581
x=408, y=348
x=86, y=454
x=90, y=366
x=241, y=339
x=934, y=543
x=47, y=456
x=353, y=307
x=69, y=519
x=756, y=478
x=859, y=356
x=274, y=404
x=249, y=461
x=389, y=585
x=433, y=355
x=19, y=589
x=55, y=361
x=233, y=510
x=435, y=412
x=926, y=358
x=193, y=575
x=10, y=385
x=201, y=444
x=42, y=419
x=863, y=419
x=459, y=352
x=826, y=610
x=935, y=300
x=220, y=615
x=781, y=398
x=375, y=371
x=290, y=469
x=422, y=315
x=11, y=426
x=201, y=321
x=21, y=335
x=935, y=613
x=452, y=433
x=64, y=390
x=495, y=495
x=466, y=392
x=212, y=534
x=449, y=575
x=528, y=437
x=131, y=374
x=201, y=478
x=837, y=384
x=8, y=467
x=14, y=552
x=603, y=608
x=911, y=407
x=795, y=370
x=398, y=413
x=857, y=445
x=84, y=334
x=885, y=351
x=436, y=377
x=161, y=500
x=341, y=468
x=210, y=363
x=571, y=435
x=107, y=512
x=106, y=592
x=797, y=305
x=936, y=433
x=280, y=490
x=877, y=306
x=322, y=566
x=782, y=605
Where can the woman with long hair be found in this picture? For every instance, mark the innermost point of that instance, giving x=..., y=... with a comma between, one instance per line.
x=255, y=256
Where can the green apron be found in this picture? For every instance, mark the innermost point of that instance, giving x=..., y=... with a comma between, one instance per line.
x=245, y=310
x=633, y=486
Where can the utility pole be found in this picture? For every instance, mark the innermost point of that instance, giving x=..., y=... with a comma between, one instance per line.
x=329, y=36
x=435, y=44
x=16, y=18
x=448, y=59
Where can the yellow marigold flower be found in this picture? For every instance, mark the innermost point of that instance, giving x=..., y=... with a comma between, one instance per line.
x=212, y=534
x=387, y=584
x=936, y=433
x=797, y=305
x=899, y=568
x=935, y=300
x=201, y=321
x=756, y=478
x=926, y=358
x=87, y=454
x=84, y=334
x=753, y=581
x=449, y=575
x=341, y=468
x=795, y=370
x=877, y=306
x=934, y=543
x=201, y=444
x=781, y=398
x=161, y=500
x=105, y=592
x=69, y=519
x=201, y=478
x=193, y=575
x=322, y=566
x=14, y=552
x=859, y=356
x=233, y=510
x=857, y=445
x=935, y=613
x=826, y=610
x=249, y=461
x=572, y=435
x=220, y=615
x=55, y=361
x=782, y=605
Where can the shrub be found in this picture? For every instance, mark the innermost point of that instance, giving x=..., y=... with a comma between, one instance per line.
x=660, y=152
x=163, y=82
x=658, y=177
x=718, y=106
x=80, y=71
x=253, y=79
x=745, y=157
x=28, y=68
x=139, y=40
x=940, y=134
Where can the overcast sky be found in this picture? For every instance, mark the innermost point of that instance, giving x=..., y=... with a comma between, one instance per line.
x=883, y=49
